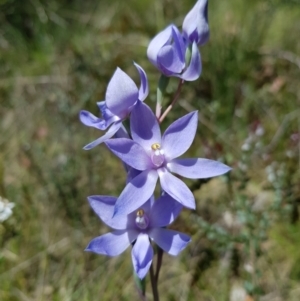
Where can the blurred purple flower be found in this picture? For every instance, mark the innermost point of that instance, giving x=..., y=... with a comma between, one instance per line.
x=121, y=96
x=167, y=52
x=155, y=156
x=195, y=25
x=138, y=228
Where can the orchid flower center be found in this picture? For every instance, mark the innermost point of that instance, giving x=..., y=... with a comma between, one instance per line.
x=141, y=220
x=157, y=155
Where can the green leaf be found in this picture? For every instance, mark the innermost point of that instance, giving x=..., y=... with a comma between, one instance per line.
x=140, y=283
x=161, y=88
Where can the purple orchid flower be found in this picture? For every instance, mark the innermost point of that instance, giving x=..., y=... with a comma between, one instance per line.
x=147, y=222
x=167, y=52
x=121, y=96
x=155, y=156
x=195, y=25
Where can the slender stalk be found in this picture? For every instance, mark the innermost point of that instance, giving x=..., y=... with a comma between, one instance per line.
x=153, y=284
x=158, y=110
x=169, y=108
x=160, y=254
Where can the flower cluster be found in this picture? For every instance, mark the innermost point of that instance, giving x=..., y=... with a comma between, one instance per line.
x=135, y=216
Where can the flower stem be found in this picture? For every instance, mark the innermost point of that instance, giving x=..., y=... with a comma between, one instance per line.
x=169, y=108
x=153, y=284
x=160, y=253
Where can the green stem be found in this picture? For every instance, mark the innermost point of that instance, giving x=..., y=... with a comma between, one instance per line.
x=169, y=108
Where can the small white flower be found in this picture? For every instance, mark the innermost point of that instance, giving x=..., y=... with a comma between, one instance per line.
x=259, y=131
x=5, y=209
x=272, y=177
x=246, y=147
x=238, y=293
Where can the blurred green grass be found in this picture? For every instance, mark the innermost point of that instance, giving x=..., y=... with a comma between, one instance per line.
x=57, y=57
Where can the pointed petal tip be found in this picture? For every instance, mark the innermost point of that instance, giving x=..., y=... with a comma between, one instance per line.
x=192, y=206
x=91, y=198
x=141, y=274
x=121, y=94
x=82, y=114
x=87, y=147
x=88, y=247
x=194, y=113
x=225, y=168
x=228, y=169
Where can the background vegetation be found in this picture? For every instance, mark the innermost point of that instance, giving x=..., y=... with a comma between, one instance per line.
x=57, y=57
